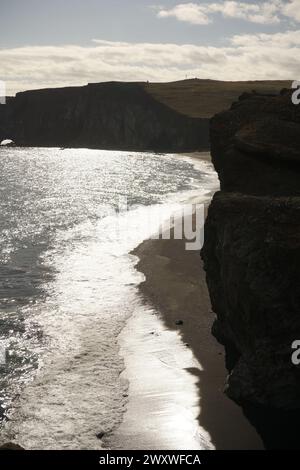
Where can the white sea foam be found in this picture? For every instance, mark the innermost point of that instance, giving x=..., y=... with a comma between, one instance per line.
x=76, y=285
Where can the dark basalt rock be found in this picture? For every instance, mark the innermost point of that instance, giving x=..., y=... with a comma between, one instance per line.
x=252, y=258
x=11, y=446
x=256, y=146
x=118, y=116
x=6, y=120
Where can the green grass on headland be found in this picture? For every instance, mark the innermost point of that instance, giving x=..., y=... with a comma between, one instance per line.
x=204, y=98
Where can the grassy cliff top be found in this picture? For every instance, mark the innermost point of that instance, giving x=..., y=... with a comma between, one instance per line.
x=205, y=98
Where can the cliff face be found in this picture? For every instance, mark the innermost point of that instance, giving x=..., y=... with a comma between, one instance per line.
x=129, y=116
x=6, y=120
x=252, y=251
x=109, y=115
x=256, y=146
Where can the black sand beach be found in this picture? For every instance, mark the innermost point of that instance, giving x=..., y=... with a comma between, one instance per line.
x=175, y=283
x=175, y=287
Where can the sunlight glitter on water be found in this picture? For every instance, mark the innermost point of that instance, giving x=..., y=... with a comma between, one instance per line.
x=163, y=408
x=77, y=286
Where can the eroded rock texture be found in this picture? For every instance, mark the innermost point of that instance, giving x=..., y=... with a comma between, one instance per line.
x=119, y=116
x=252, y=255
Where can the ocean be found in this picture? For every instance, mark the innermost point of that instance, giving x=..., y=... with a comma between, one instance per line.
x=68, y=283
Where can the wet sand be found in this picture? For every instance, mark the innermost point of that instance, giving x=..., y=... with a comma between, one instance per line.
x=174, y=366
x=175, y=284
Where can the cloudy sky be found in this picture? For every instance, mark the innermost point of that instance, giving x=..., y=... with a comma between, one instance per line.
x=53, y=43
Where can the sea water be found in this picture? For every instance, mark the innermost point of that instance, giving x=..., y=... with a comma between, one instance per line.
x=68, y=283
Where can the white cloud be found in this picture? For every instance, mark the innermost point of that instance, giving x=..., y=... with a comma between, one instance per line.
x=265, y=12
x=246, y=57
x=292, y=9
x=286, y=40
x=189, y=12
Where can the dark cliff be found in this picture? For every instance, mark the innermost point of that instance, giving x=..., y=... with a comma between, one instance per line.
x=252, y=258
x=130, y=116
x=6, y=119
x=256, y=145
x=108, y=115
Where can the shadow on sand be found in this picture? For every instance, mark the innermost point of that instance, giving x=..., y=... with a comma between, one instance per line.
x=175, y=284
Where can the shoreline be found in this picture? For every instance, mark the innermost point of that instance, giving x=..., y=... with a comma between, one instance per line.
x=174, y=326
x=176, y=372
x=113, y=149
x=175, y=284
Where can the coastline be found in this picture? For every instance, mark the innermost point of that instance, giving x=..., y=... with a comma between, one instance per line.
x=176, y=329
x=175, y=284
